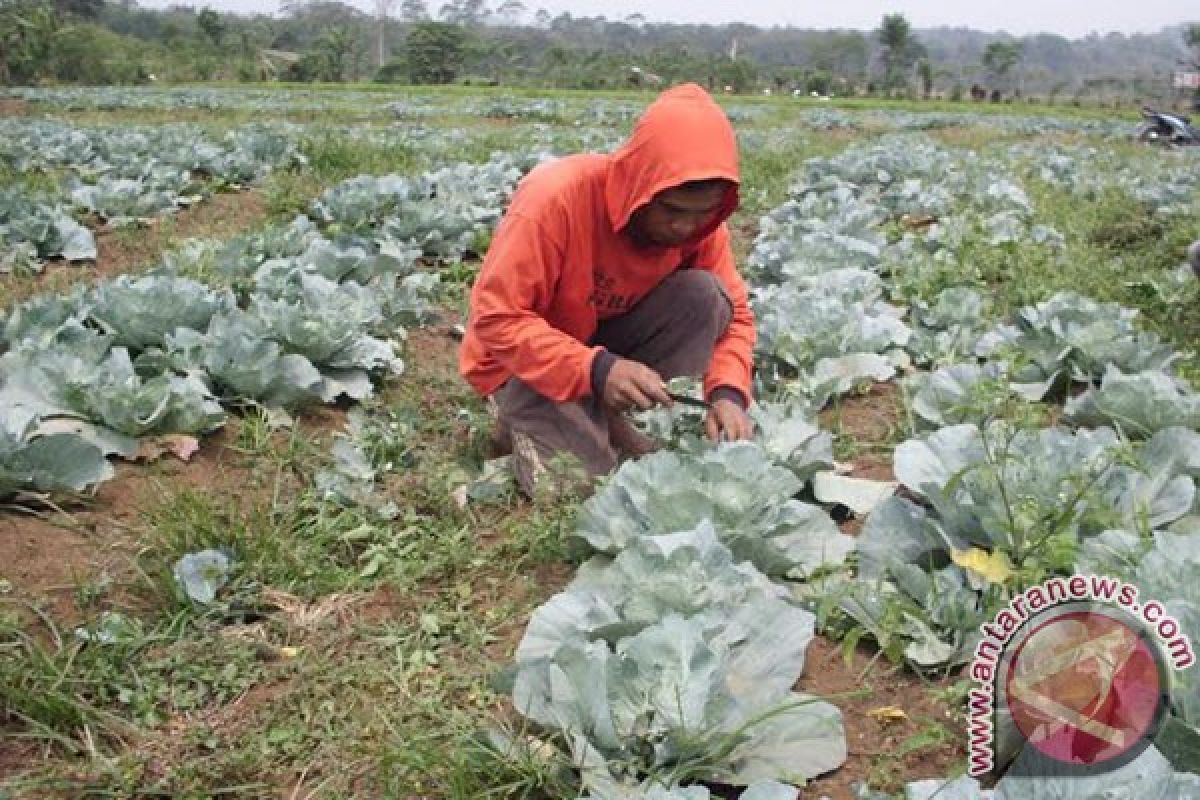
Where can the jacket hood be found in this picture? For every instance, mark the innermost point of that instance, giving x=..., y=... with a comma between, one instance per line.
x=683, y=136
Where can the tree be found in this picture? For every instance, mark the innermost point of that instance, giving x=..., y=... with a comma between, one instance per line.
x=335, y=48
x=88, y=9
x=999, y=58
x=925, y=73
x=738, y=74
x=842, y=54
x=27, y=33
x=542, y=18
x=211, y=25
x=413, y=10
x=329, y=58
x=382, y=9
x=900, y=50
x=465, y=12
x=435, y=52
x=511, y=11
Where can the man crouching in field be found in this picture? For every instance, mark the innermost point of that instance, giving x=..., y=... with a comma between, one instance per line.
x=608, y=275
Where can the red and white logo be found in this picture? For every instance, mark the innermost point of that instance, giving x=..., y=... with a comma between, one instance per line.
x=1085, y=686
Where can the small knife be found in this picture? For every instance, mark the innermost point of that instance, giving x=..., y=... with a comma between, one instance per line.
x=689, y=401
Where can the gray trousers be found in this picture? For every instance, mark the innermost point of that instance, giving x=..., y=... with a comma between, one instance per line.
x=673, y=330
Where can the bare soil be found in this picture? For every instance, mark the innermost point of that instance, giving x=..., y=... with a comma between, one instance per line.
x=868, y=418
x=13, y=107
x=95, y=540
x=878, y=745
x=124, y=252
x=43, y=562
x=220, y=216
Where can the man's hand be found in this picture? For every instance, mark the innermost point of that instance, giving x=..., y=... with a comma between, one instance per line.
x=633, y=385
x=727, y=420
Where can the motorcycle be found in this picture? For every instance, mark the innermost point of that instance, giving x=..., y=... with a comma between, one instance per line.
x=1161, y=127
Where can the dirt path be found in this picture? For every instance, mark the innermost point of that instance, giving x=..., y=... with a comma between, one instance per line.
x=901, y=727
x=221, y=216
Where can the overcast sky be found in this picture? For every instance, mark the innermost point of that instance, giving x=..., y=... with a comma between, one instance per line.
x=1072, y=18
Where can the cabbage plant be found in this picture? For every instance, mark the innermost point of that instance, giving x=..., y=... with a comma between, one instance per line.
x=1072, y=338
x=737, y=486
x=990, y=510
x=675, y=661
x=1139, y=404
x=42, y=463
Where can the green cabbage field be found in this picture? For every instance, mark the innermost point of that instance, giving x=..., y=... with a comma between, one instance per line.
x=253, y=544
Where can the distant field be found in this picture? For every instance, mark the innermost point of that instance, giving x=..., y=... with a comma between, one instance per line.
x=230, y=321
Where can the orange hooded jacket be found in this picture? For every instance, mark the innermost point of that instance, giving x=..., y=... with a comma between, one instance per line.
x=559, y=262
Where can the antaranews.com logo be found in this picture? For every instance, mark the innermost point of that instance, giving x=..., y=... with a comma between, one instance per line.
x=1078, y=669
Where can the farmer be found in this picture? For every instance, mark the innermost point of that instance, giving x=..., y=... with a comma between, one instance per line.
x=608, y=275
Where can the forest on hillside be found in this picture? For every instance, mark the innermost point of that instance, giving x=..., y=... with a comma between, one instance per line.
x=511, y=43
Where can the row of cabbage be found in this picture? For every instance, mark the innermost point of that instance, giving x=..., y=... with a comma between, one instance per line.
x=199, y=98
x=119, y=176
x=592, y=111
x=827, y=119
x=293, y=315
x=825, y=325
x=820, y=258
x=506, y=106
x=992, y=506
x=670, y=660
x=1162, y=180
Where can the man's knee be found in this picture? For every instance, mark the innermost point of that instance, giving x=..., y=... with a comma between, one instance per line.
x=699, y=295
x=541, y=430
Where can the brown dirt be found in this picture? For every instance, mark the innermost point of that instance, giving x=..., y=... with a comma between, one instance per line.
x=220, y=216
x=873, y=467
x=48, y=556
x=963, y=136
x=17, y=756
x=543, y=582
x=871, y=417
x=434, y=350
x=876, y=748
x=43, y=562
x=323, y=421
x=840, y=137
x=130, y=251
x=13, y=107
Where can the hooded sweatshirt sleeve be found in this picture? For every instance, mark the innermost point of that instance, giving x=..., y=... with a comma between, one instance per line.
x=515, y=288
x=732, y=361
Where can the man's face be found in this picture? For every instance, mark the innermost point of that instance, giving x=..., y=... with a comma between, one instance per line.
x=675, y=215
